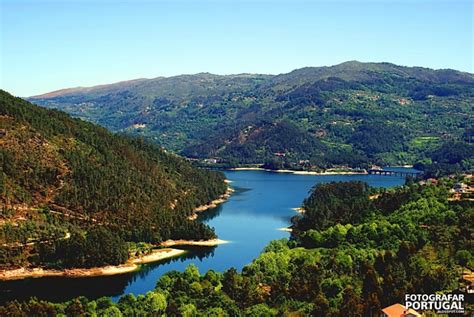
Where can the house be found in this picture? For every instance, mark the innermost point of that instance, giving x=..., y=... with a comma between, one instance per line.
x=398, y=310
x=459, y=185
x=460, y=188
x=210, y=161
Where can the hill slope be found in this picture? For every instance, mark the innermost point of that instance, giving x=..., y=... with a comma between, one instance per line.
x=62, y=177
x=352, y=253
x=352, y=113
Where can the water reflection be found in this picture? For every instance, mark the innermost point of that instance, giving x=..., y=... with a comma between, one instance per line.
x=210, y=214
x=214, y=212
x=62, y=289
x=260, y=205
x=194, y=252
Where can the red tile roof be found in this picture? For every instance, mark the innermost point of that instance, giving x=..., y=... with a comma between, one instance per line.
x=396, y=310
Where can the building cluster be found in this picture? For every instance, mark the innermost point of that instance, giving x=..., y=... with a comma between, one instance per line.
x=463, y=190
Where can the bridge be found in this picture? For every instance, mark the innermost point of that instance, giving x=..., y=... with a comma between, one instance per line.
x=392, y=173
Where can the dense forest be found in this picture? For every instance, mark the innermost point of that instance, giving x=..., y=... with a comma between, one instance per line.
x=352, y=114
x=354, y=251
x=448, y=159
x=73, y=194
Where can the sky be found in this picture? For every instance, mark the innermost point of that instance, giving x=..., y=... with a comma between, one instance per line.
x=50, y=45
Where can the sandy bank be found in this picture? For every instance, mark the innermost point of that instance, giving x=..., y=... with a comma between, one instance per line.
x=158, y=255
x=21, y=273
x=299, y=210
x=213, y=204
x=246, y=169
x=328, y=172
x=204, y=243
x=130, y=266
x=285, y=229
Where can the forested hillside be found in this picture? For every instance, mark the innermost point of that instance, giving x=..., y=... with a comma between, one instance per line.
x=350, y=114
x=72, y=194
x=369, y=249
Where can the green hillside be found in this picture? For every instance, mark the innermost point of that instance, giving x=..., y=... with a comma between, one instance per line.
x=69, y=188
x=349, y=114
x=353, y=252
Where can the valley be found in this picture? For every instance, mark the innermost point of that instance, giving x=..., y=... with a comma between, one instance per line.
x=247, y=221
x=276, y=158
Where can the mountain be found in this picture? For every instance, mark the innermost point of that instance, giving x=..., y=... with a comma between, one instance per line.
x=71, y=182
x=348, y=114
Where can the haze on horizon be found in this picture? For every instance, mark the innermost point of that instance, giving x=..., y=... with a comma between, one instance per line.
x=51, y=45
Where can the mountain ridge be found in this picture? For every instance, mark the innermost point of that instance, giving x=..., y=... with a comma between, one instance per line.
x=337, y=107
x=352, y=62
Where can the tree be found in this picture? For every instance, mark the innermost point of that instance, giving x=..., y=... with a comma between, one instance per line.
x=191, y=273
x=215, y=312
x=230, y=283
x=127, y=304
x=321, y=306
x=305, y=282
x=75, y=309
x=351, y=303
x=464, y=257
x=371, y=292
x=112, y=312
x=261, y=310
x=188, y=310
x=155, y=303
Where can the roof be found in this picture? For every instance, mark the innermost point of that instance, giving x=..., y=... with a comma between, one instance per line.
x=395, y=310
x=398, y=310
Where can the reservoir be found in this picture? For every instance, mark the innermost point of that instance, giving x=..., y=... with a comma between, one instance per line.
x=261, y=204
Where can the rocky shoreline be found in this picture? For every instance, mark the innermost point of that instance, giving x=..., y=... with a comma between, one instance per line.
x=213, y=204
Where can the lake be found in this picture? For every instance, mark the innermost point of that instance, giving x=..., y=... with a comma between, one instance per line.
x=262, y=203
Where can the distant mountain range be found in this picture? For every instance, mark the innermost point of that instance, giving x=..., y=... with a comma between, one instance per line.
x=349, y=114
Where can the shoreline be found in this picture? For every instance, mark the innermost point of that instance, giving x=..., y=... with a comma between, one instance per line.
x=213, y=204
x=298, y=172
x=131, y=266
x=203, y=243
x=299, y=210
x=158, y=255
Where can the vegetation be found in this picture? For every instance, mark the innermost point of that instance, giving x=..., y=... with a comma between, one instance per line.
x=72, y=194
x=352, y=114
x=451, y=158
x=335, y=203
x=371, y=247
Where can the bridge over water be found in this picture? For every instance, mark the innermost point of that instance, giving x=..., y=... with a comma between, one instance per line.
x=393, y=172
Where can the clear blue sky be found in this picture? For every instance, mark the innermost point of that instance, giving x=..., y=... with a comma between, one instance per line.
x=48, y=45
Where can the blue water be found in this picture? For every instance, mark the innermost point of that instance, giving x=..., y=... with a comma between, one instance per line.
x=249, y=219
